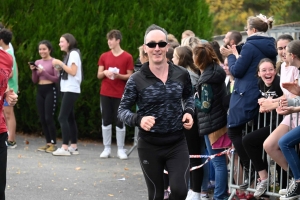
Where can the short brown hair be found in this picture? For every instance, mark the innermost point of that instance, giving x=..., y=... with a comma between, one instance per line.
x=204, y=55
x=114, y=34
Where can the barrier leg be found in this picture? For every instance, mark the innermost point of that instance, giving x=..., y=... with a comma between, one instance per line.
x=135, y=141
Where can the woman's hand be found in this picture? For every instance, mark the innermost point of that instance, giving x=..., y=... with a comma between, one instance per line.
x=32, y=67
x=188, y=121
x=57, y=62
x=292, y=87
x=11, y=97
x=266, y=105
x=235, y=52
x=226, y=51
x=285, y=110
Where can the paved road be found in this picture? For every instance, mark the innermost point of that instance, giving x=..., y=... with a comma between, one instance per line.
x=34, y=175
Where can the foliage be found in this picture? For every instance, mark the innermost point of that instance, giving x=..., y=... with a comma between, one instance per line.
x=89, y=20
x=232, y=15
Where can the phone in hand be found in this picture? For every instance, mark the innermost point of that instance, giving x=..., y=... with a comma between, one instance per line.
x=32, y=63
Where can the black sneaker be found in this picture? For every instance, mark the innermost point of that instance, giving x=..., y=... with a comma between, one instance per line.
x=248, y=180
x=293, y=192
x=11, y=144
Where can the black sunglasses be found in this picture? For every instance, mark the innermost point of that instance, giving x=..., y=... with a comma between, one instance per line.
x=153, y=44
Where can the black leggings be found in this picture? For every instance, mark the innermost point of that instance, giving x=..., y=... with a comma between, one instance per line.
x=109, y=111
x=3, y=164
x=66, y=117
x=236, y=135
x=154, y=158
x=46, y=99
x=194, y=142
x=253, y=144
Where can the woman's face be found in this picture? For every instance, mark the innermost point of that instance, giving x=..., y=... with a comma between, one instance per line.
x=175, y=58
x=289, y=57
x=143, y=58
x=281, y=49
x=64, y=44
x=267, y=72
x=249, y=30
x=226, y=67
x=44, y=51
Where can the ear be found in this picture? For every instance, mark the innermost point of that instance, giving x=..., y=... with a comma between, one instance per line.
x=145, y=49
x=231, y=42
x=167, y=47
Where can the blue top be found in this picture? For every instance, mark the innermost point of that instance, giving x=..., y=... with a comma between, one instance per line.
x=243, y=105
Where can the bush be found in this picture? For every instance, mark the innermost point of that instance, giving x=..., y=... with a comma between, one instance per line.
x=32, y=21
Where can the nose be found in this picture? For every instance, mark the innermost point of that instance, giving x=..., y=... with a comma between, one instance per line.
x=156, y=47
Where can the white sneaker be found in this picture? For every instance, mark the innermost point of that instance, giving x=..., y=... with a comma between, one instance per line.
x=73, y=151
x=105, y=153
x=190, y=192
x=61, y=152
x=282, y=192
x=122, y=155
x=206, y=197
x=195, y=196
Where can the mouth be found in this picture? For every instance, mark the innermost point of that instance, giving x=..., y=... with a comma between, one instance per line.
x=269, y=78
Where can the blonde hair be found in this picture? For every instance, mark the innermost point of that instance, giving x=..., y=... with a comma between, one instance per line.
x=189, y=33
x=171, y=38
x=191, y=42
x=142, y=52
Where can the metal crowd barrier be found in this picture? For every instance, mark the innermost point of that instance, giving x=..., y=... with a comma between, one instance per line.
x=275, y=185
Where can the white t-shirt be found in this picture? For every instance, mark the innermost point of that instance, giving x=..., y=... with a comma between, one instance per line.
x=73, y=82
x=11, y=47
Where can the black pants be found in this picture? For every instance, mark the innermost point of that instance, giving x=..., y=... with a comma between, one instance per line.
x=194, y=142
x=3, y=164
x=154, y=158
x=253, y=144
x=66, y=118
x=236, y=135
x=46, y=100
x=109, y=111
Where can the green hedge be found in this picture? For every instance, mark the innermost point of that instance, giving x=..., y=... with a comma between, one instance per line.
x=89, y=20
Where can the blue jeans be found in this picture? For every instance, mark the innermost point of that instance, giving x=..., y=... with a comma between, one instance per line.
x=287, y=145
x=221, y=174
x=205, y=168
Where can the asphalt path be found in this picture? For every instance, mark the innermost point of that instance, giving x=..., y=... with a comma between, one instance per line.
x=35, y=175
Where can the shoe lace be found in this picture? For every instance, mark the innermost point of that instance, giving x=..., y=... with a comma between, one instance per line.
x=292, y=188
x=260, y=184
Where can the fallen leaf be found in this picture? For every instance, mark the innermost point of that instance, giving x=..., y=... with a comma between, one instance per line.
x=77, y=168
x=111, y=195
x=126, y=168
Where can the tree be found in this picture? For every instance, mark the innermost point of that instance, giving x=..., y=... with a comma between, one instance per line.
x=89, y=20
x=232, y=15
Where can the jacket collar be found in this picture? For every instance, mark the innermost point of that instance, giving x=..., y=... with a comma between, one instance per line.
x=147, y=72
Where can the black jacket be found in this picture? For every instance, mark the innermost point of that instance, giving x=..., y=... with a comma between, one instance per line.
x=216, y=119
x=158, y=99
